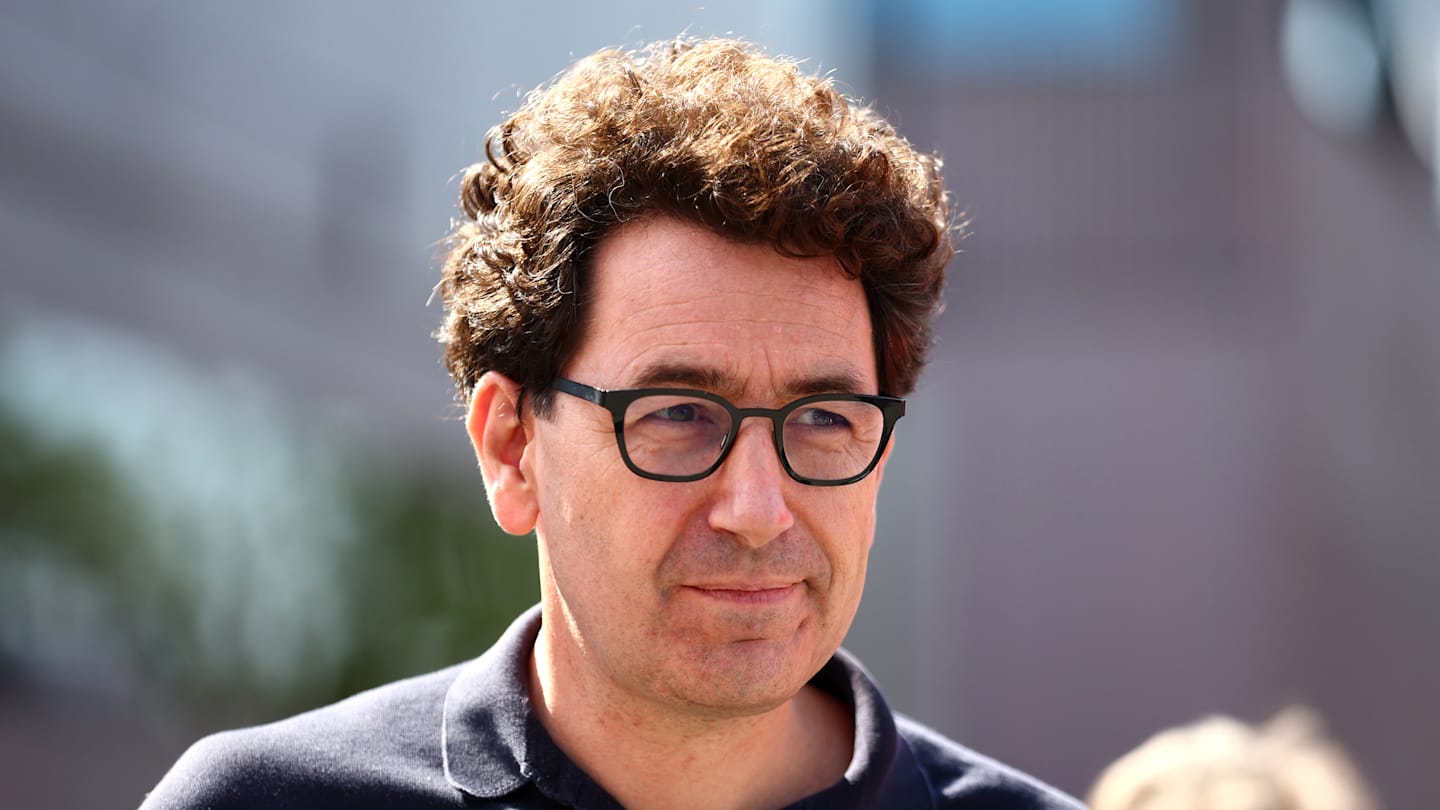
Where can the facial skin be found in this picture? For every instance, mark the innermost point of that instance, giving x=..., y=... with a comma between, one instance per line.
x=711, y=599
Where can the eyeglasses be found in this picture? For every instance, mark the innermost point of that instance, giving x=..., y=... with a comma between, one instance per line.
x=677, y=434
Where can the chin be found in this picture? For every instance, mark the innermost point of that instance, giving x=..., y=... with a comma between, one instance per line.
x=732, y=706
x=746, y=679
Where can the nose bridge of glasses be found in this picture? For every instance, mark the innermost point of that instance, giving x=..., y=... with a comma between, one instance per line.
x=775, y=451
x=775, y=416
x=770, y=415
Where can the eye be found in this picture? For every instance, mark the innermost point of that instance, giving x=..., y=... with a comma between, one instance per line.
x=820, y=418
x=674, y=412
x=687, y=412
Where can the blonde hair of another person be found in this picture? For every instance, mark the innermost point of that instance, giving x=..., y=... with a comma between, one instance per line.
x=1219, y=763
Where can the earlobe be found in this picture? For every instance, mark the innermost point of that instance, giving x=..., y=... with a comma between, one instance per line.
x=501, y=439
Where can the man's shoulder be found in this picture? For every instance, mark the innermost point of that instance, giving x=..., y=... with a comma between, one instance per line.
x=373, y=748
x=961, y=777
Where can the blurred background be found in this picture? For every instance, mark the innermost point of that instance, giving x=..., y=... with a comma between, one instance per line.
x=1178, y=451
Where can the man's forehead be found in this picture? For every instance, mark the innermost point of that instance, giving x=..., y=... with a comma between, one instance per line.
x=671, y=304
x=831, y=378
x=660, y=249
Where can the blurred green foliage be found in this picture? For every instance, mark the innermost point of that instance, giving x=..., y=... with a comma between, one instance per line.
x=104, y=575
x=435, y=580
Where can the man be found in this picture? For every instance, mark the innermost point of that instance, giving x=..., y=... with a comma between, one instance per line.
x=690, y=286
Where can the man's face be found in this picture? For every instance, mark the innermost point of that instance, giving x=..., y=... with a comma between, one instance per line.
x=721, y=596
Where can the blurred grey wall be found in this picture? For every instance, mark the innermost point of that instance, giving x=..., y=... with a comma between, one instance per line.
x=265, y=185
x=1189, y=384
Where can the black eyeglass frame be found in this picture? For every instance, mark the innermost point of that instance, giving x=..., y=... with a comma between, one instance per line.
x=616, y=401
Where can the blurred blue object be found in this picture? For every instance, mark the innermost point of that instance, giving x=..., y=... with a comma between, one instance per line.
x=1331, y=54
x=1028, y=37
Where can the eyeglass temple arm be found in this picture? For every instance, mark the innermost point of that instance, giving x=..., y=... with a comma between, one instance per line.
x=580, y=390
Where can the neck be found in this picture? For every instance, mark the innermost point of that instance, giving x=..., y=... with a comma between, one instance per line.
x=651, y=756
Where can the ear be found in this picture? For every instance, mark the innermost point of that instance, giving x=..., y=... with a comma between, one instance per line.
x=501, y=440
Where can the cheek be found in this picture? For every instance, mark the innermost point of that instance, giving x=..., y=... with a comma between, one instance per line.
x=851, y=516
x=570, y=476
x=606, y=529
x=844, y=524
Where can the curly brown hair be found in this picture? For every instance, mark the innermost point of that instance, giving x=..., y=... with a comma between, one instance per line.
x=710, y=131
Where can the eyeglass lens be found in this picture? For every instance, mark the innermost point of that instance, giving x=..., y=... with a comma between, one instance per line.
x=827, y=440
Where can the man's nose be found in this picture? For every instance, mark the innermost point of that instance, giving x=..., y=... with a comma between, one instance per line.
x=750, y=488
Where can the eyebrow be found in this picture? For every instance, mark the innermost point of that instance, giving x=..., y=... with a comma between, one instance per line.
x=707, y=378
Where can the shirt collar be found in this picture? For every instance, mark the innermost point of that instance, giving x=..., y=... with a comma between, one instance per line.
x=883, y=771
x=493, y=742
x=484, y=734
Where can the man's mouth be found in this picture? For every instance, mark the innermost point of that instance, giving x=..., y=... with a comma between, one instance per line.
x=749, y=593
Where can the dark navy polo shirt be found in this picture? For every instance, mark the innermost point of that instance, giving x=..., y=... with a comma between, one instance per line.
x=466, y=737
